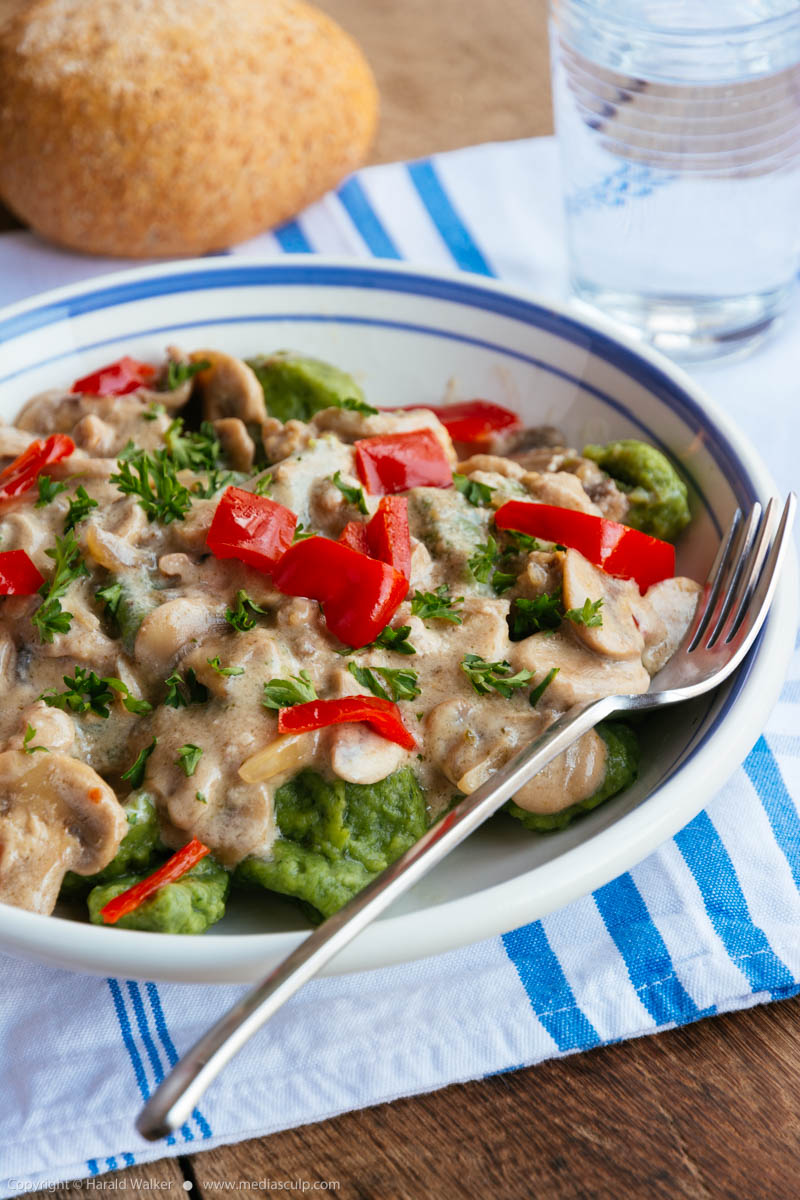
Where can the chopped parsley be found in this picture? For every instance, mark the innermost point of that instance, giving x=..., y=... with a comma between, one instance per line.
x=493, y=676
x=48, y=490
x=283, y=693
x=301, y=531
x=195, y=450
x=437, y=605
x=401, y=683
x=110, y=595
x=243, y=616
x=49, y=618
x=188, y=758
x=472, y=490
x=482, y=562
x=359, y=406
x=30, y=734
x=395, y=640
x=215, y=664
x=154, y=412
x=153, y=479
x=543, y=614
x=79, y=508
x=355, y=495
x=589, y=614
x=217, y=480
x=542, y=687
x=180, y=372
x=87, y=692
x=263, y=485
x=502, y=581
x=200, y=797
x=183, y=692
x=521, y=543
x=135, y=773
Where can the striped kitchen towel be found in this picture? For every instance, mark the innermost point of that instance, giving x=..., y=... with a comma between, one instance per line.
x=707, y=923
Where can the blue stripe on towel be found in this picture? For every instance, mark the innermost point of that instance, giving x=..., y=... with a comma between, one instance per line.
x=764, y=773
x=292, y=240
x=152, y=1052
x=549, y=992
x=454, y=232
x=708, y=860
x=92, y=1166
x=646, y=958
x=172, y=1053
x=366, y=220
x=127, y=1037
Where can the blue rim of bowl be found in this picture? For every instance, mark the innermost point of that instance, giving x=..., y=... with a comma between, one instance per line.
x=453, y=290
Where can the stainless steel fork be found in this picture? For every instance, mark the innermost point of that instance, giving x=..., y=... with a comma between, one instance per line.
x=729, y=615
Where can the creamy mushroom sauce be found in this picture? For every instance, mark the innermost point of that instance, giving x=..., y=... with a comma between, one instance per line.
x=58, y=811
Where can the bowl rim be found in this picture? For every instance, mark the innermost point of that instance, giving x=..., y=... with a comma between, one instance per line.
x=602, y=856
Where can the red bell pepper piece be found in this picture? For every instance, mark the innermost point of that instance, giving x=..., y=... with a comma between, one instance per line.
x=382, y=715
x=254, y=529
x=385, y=536
x=476, y=420
x=395, y=462
x=18, y=575
x=617, y=549
x=173, y=869
x=117, y=379
x=354, y=535
x=20, y=475
x=359, y=595
x=388, y=535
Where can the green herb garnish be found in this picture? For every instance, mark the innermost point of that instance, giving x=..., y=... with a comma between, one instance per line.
x=153, y=412
x=437, y=605
x=401, y=683
x=183, y=692
x=48, y=490
x=493, y=676
x=194, y=451
x=152, y=478
x=135, y=774
x=110, y=595
x=87, y=692
x=215, y=664
x=283, y=693
x=49, y=618
x=243, y=616
x=199, y=796
x=30, y=734
x=79, y=508
x=263, y=485
x=188, y=758
x=589, y=614
x=359, y=406
x=217, y=480
x=355, y=495
x=180, y=372
x=301, y=532
x=543, y=614
x=395, y=640
x=542, y=687
x=482, y=562
x=502, y=581
x=472, y=490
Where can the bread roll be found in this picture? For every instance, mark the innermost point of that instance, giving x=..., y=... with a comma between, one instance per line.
x=151, y=128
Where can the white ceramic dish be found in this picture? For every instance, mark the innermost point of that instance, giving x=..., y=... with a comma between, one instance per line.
x=409, y=336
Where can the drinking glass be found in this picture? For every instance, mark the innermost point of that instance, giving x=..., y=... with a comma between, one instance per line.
x=678, y=123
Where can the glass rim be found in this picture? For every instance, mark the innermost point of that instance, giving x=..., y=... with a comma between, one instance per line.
x=764, y=26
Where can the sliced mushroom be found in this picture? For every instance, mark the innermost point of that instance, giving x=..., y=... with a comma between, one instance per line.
x=53, y=728
x=618, y=636
x=56, y=815
x=582, y=675
x=360, y=755
x=171, y=628
x=13, y=441
x=237, y=445
x=673, y=602
x=559, y=488
x=228, y=388
x=493, y=463
x=573, y=776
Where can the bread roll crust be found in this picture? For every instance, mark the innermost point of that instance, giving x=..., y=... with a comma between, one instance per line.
x=151, y=128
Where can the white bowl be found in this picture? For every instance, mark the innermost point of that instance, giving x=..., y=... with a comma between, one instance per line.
x=410, y=336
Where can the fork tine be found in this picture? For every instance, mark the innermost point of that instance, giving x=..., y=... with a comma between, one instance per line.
x=744, y=549
x=751, y=572
x=719, y=569
x=761, y=597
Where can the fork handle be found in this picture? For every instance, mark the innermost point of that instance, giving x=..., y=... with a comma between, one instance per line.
x=173, y=1101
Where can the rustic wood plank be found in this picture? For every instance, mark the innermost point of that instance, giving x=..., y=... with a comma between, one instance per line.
x=164, y=1178
x=697, y=1113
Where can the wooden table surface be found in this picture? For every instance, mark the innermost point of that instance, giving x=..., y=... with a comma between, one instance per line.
x=710, y=1110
